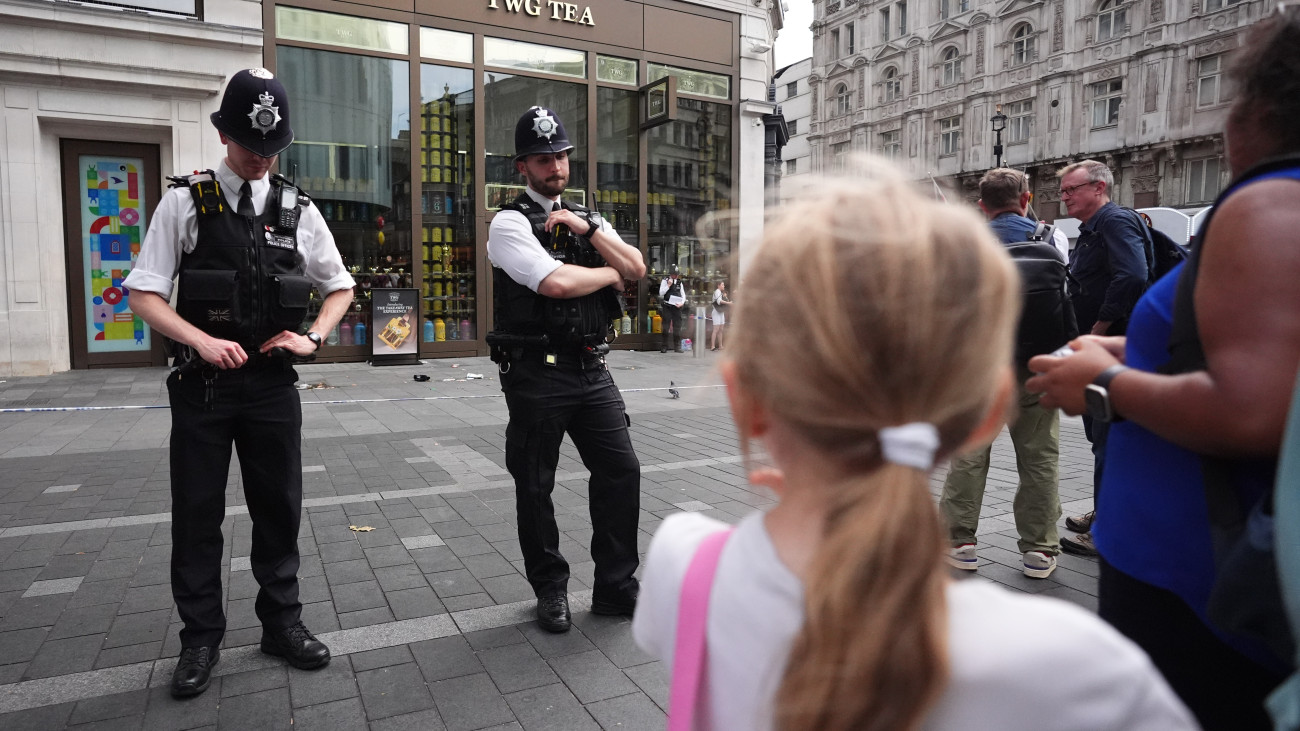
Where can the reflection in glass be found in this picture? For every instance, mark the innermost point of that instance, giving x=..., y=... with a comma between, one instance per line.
x=351, y=120
x=311, y=26
x=615, y=70
x=689, y=177
x=446, y=45
x=616, y=180
x=699, y=83
x=534, y=57
x=507, y=98
x=447, y=204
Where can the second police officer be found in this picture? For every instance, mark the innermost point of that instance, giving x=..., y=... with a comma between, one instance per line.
x=248, y=248
x=557, y=269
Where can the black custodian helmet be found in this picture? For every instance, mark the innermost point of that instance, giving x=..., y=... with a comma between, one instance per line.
x=255, y=112
x=540, y=131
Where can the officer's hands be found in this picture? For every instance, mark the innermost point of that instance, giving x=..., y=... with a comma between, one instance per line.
x=292, y=342
x=618, y=280
x=576, y=223
x=223, y=354
x=1063, y=380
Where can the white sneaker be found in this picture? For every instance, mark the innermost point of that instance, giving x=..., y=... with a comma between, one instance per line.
x=1038, y=565
x=963, y=557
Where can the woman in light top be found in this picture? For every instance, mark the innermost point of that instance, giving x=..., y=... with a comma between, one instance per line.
x=882, y=343
x=721, y=303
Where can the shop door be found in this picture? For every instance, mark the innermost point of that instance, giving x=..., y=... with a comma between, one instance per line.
x=109, y=190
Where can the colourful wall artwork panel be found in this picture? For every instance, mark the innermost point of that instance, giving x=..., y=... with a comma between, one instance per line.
x=113, y=225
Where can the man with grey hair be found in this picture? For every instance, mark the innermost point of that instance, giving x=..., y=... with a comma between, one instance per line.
x=1110, y=263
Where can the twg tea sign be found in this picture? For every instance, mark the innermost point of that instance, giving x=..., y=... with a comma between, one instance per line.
x=561, y=11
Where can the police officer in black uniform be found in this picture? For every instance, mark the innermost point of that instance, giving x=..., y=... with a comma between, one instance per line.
x=557, y=270
x=248, y=250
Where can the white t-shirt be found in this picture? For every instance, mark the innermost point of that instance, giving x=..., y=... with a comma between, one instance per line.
x=174, y=231
x=1018, y=663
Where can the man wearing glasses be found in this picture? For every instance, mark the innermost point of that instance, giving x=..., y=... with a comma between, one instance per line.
x=1109, y=264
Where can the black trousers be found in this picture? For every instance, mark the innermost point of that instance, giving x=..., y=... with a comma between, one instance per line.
x=1225, y=689
x=545, y=403
x=672, y=318
x=255, y=408
x=1097, y=433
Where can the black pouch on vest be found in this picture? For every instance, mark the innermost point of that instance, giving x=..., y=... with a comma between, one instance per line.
x=289, y=306
x=209, y=299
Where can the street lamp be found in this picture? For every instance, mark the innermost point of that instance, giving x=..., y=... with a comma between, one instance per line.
x=999, y=121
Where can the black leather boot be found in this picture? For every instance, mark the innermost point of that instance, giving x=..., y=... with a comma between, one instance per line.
x=193, y=671
x=295, y=644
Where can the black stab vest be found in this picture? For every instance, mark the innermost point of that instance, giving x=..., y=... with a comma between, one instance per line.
x=245, y=280
x=580, y=321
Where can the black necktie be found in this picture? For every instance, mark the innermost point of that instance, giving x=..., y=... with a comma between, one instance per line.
x=555, y=206
x=246, y=200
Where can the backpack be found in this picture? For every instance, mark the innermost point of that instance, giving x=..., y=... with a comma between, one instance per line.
x=1164, y=253
x=1047, y=319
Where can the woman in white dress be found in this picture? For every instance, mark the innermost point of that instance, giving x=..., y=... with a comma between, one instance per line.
x=720, y=304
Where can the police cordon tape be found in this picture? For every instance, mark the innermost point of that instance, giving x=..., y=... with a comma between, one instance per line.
x=56, y=409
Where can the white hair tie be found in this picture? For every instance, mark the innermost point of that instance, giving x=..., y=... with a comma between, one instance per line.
x=910, y=445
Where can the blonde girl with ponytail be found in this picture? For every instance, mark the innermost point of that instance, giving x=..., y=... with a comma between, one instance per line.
x=881, y=344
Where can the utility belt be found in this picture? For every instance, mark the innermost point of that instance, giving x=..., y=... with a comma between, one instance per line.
x=188, y=364
x=509, y=348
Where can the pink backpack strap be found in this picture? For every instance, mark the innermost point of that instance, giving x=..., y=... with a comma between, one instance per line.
x=692, y=617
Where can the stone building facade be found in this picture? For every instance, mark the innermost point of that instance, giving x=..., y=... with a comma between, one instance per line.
x=1137, y=84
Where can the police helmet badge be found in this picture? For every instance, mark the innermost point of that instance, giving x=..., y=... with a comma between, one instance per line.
x=544, y=124
x=265, y=116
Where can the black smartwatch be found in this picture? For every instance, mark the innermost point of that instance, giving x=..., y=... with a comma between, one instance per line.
x=595, y=220
x=314, y=338
x=1096, y=396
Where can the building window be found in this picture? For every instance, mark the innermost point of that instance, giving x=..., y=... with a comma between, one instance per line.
x=1022, y=45
x=839, y=156
x=952, y=7
x=893, y=85
x=1106, y=98
x=848, y=30
x=1210, y=88
x=891, y=144
x=900, y=9
x=1213, y=5
x=1111, y=17
x=885, y=27
x=949, y=135
x=791, y=89
x=1203, y=180
x=835, y=43
x=792, y=127
x=1020, y=121
x=951, y=67
x=789, y=167
x=842, y=99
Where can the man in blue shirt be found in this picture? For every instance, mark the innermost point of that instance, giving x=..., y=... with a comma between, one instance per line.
x=1110, y=265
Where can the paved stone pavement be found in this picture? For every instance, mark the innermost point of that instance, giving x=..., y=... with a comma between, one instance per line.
x=427, y=613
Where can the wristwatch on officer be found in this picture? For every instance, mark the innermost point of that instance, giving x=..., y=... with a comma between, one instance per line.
x=1097, y=395
x=595, y=220
x=314, y=338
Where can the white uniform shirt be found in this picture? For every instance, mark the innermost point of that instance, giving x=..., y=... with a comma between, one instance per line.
x=1002, y=646
x=175, y=231
x=514, y=249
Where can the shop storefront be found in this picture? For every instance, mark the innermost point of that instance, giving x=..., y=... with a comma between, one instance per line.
x=404, y=117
